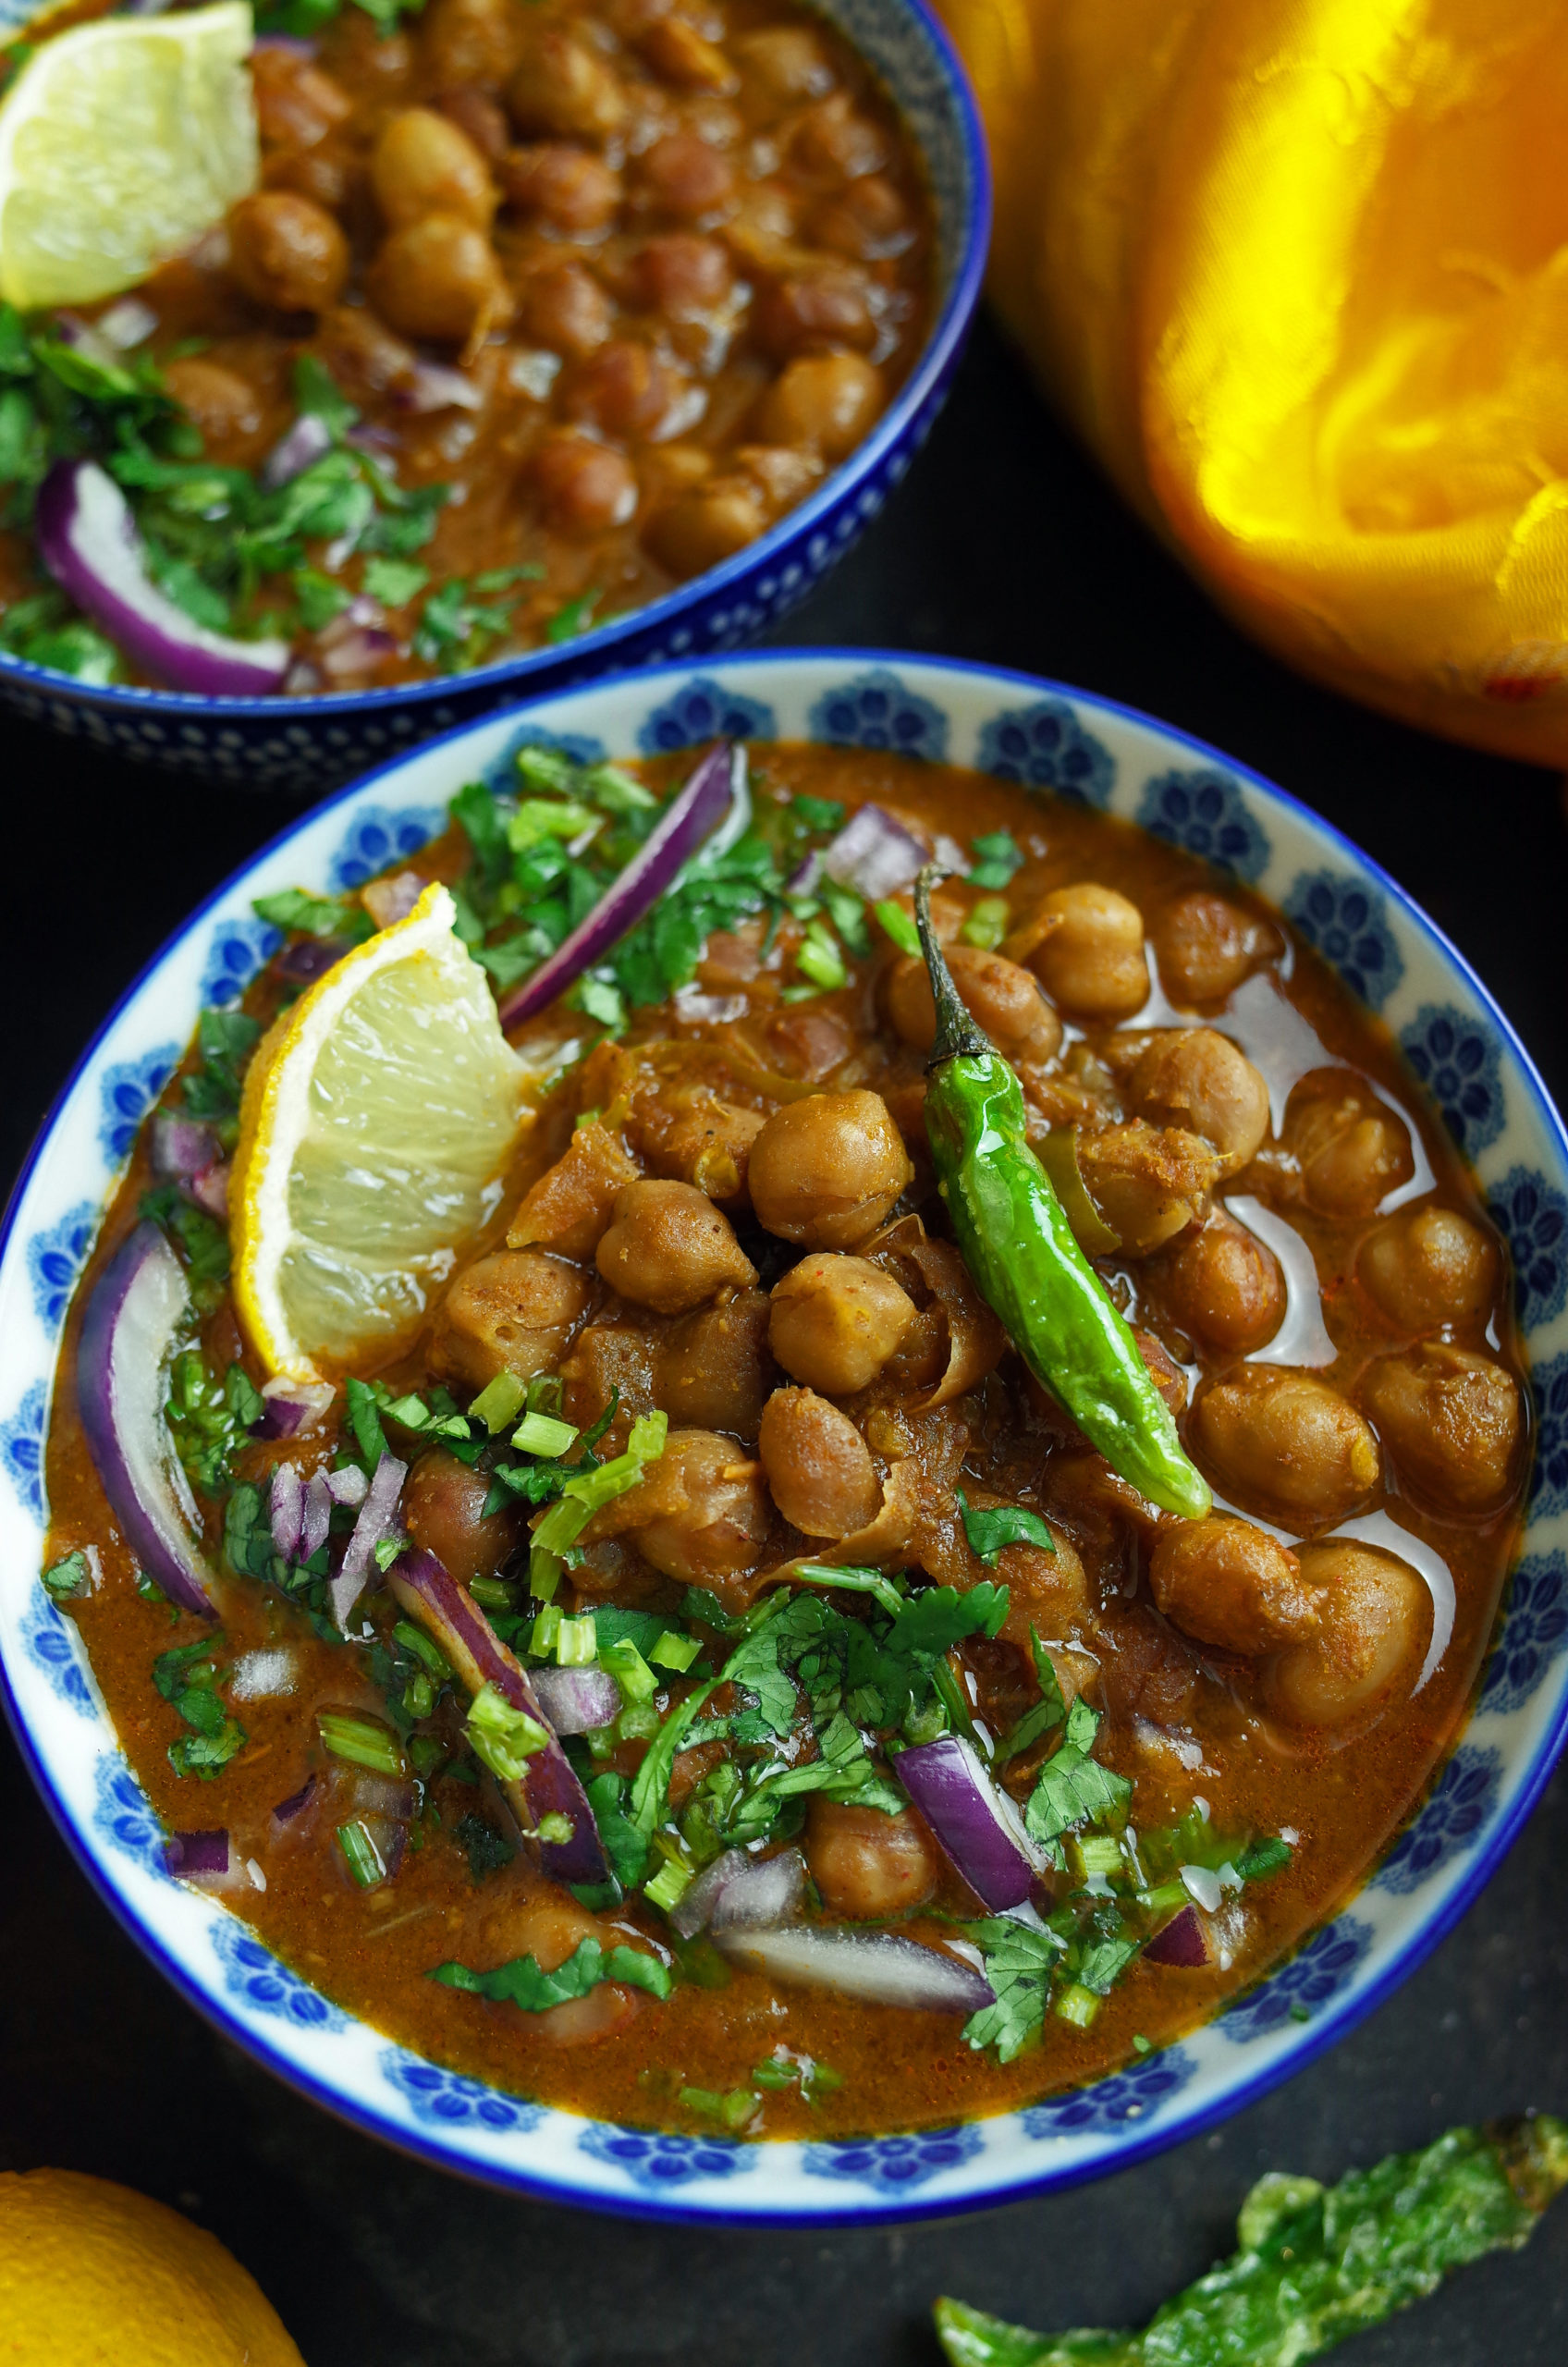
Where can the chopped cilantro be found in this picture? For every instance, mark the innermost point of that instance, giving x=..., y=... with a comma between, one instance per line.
x=365, y=1420
x=999, y=859
x=575, y=616
x=1003, y=1524
x=322, y=916
x=487, y=1849
x=210, y=1420
x=187, y=1676
x=525, y=1984
x=395, y=580
x=69, y=1577
x=1048, y=1711
x=1073, y=1788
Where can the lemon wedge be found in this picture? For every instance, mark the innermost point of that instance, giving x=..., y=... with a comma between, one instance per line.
x=379, y=1118
x=121, y=142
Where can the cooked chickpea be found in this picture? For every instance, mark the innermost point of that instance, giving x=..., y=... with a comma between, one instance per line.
x=1091, y=959
x=787, y=61
x=438, y=278
x=827, y=302
x=710, y=1145
x=684, y=174
x=297, y=104
x=566, y=310
x=1352, y=1149
x=1004, y=996
x=1222, y=1285
x=1225, y=1583
x=714, y=1371
x=827, y=401
x=825, y=1171
x=834, y=143
x=867, y=220
x=228, y=414
x=1196, y=1078
x=423, y=163
x=478, y=116
x=836, y=1321
x=1427, y=1267
x=443, y=1510
x=513, y=1311
x=679, y=275
x=1376, y=1618
x=679, y=54
x=583, y=488
x=866, y=1864
x=1147, y=1184
x=513, y=1918
x=819, y=1469
x=572, y=190
x=1205, y=947
x=670, y=1248
x=471, y=41
x=1452, y=1421
x=1279, y=1437
x=702, y=529
x=623, y=389
x=287, y=252
x=564, y=89
x=723, y=1526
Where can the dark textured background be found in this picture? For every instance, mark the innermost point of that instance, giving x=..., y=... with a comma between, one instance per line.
x=1003, y=545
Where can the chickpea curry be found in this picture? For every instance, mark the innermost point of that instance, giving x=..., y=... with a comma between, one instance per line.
x=938, y=1517
x=538, y=310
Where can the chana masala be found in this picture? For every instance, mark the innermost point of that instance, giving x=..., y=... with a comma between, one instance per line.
x=538, y=310
x=701, y=1675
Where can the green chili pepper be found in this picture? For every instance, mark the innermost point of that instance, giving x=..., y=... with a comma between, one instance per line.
x=1018, y=1246
x=1315, y=2265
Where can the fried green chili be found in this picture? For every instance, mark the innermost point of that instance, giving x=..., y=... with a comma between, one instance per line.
x=1018, y=1246
x=1316, y=2264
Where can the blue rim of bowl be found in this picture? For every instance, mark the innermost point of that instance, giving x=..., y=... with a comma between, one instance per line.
x=938, y=359
x=1333, y=2023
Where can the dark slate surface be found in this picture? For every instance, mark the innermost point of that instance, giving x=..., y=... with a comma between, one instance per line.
x=1004, y=544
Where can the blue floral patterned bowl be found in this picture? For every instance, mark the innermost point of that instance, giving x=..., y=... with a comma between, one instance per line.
x=311, y=745
x=1049, y=739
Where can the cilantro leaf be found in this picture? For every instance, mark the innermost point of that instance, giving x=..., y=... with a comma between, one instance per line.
x=322, y=916
x=522, y=1983
x=365, y=1420
x=1020, y=1963
x=931, y=1622
x=989, y=1530
x=1073, y=1788
x=625, y=1844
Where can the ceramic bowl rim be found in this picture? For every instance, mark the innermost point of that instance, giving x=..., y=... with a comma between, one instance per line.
x=937, y=358
x=1337, y=2016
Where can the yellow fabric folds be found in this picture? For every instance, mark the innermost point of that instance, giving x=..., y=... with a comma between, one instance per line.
x=1298, y=271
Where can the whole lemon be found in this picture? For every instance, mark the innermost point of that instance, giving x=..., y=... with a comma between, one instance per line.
x=94, y=2275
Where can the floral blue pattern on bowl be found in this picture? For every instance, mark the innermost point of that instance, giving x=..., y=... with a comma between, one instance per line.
x=313, y=744
x=237, y=951
x=701, y=710
x=1205, y=813
x=972, y=715
x=377, y=838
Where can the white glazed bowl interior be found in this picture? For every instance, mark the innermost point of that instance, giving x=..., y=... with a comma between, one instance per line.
x=1049, y=738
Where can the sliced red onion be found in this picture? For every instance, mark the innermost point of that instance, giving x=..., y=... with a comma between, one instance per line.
x=349, y=1486
x=390, y=900
x=287, y=45
x=293, y=1408
x=88, y=540
x=370, y=438
x=738, y=1892
x=296, y=1804
x=874, y=855
x=975, y=1824
x=317, y=1521
x=1184, y=1942
x=86, y=337
x=806, y=875
x=882, y=1967
x=436, y=386
x=577, y=1699
x=182, y=1146
x=197, y=1853
x=302, y=679
x=210, y=1190
x=311, y=959
x=134, y=1318
x=717, y=785
x=127, y=323
x=306, y=441
x=427, y=1589
x=287, y=1507
x=357, y=652
x=377, y=1515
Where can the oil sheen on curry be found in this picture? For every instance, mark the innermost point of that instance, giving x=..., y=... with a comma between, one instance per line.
x=686, y=1661
x=538, y=310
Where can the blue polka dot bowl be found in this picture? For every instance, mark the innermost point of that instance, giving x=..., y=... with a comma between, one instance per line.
x=309, y=746
x=1056, y=741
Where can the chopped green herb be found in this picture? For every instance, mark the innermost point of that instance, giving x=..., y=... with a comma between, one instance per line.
x=68, y=1577
x=987, y=924
x=201, y=1240
x=523, y=1983
x=322, y=916
x=576, y=617
x=674, y=1651
x=209, y=1422
x=360, y=1855
x=1073, y=1787
x=899, y=925
x=365, y=1420
x=395, y=580
x=988, y=1531
x=362, y=1742
x=541, y=1434
x=500, y=1402
x=999, y=859
x=187, y=1676
x=486, y=1849
x=503, y=1738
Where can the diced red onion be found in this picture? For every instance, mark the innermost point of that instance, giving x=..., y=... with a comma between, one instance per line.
x=182, y=1146
x=1203, y=1887
x=874, y=855
x=306, y=441
x=287, y=45
x=302, y=679
x=133, y=1322
x=86, y=337
x=951, y=855
x=436, y=386
x=285, y=1504
x=428, y=1592
x=714, y=788
x=129, y=322
x=210, y=1190
x=317, y=1522
x=370, y=438
x=377, y=1515
x=390, y=900
x=357, y=652
x=1184, y=1942
x=293, y=1408
x=740, y=1893
x=577, y=1699
x=975, y=1824
x=881, y=1967
x=88, y=540
x=806, y=875
x=349, y=1486
x=311, y=959
x=296, y=1804
x=186, y=1854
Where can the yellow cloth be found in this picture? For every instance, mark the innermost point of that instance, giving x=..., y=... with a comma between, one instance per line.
x=1297, y=270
